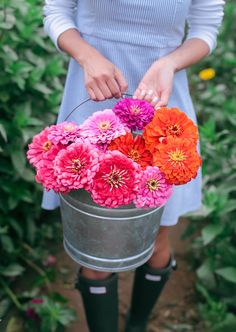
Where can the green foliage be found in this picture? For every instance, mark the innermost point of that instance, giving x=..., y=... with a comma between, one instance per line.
x=215, y=248
x=50, y=315
x=30, y=91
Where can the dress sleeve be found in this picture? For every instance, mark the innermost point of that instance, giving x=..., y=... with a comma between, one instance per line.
x=204, y=19
x=59, y=16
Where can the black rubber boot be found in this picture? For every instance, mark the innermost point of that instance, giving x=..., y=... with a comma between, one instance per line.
x=100, y=299
x=147, y=287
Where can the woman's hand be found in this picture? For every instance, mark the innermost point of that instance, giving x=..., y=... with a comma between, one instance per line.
x=103, y=80
x=156, y=85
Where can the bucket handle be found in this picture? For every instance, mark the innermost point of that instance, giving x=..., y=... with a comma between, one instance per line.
x=88, y=99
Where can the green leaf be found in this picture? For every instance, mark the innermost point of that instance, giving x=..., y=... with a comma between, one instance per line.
x=228, y=324
x=228, y=273
x=4, y=306
x=12, y=270
x=18, y=160
x=210, y=232
x=205, y=273
x=15, y=324
x=7, y=243
x=42, y=88
x=3, y=132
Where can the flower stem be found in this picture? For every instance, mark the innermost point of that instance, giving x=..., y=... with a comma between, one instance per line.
x=10, y=294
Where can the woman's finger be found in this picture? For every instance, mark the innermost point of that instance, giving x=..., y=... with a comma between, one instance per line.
x=98, y=93
x=164, y=98
x=114, y=88
x=149, y=95
x=92, y=94
x=105, y=89
x=154, y=100
x=140, y=93
x=121, y=81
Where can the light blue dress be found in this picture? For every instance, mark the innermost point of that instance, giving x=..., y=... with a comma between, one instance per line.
x=133, y=34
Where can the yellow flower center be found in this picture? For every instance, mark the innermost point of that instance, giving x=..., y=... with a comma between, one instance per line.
x=134, y=154
x=47, y=146
x=152, y=184
x=69, y=127
x=104, y=125
x=174, y=130
x=177, y=156
x=135, y=110
x=115, y=178
x=76, y=165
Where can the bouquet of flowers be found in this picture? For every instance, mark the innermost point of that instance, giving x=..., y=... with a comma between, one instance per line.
x=116, y=166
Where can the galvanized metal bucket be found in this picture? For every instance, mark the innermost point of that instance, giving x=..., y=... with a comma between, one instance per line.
x=103, y=239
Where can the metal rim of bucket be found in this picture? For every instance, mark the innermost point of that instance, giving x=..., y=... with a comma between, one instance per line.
x=110, y=268
x=107, y=218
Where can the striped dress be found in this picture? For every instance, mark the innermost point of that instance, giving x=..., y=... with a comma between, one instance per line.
x=133, y=34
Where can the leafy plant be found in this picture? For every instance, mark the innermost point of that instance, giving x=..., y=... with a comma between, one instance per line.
x=215, y=248
x=30, y=92
x=48, y=314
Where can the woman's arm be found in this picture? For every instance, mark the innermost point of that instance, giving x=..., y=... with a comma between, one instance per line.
x=204, y=20
x=102, y=79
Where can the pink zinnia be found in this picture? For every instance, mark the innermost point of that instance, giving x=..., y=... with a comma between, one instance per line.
x=154, y=189
x=102, y=127
x=116, y=181
x=76, y=165
x=64, y=133
x=42, y=148
x=134, y=113
x=46, y=175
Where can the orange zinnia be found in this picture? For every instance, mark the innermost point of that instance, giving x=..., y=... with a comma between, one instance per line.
x=133, y=148
x=178, y=160
x=169, y=122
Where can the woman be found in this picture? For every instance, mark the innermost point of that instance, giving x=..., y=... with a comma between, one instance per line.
x=137, y=45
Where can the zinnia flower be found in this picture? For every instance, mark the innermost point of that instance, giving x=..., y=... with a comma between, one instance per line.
x=116, y=181
x=42, y=148
x=46, y=176
x=76, y=165
x=207, y=74
x=169, y=122
x=32, y=314
x=135, y=113
x=64, y=133
x=178, y=160
x=133, y=148
x=102, y=127
x=154, y=189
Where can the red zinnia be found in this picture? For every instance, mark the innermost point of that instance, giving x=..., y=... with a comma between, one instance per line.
x=117, y=180
x=133, y=148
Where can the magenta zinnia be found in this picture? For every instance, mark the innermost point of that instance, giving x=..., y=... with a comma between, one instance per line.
x=116, y=181
x=154, y=189
x=76, y=165
x=134, y=113
x=102, y=127
x=64, y=133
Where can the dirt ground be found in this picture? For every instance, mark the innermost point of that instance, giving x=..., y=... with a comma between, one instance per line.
x=176, y=309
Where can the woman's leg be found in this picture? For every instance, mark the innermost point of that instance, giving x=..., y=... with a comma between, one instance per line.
x=94, y=275
x=162, y=252
x=149, y=280
x=100, y=299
